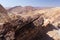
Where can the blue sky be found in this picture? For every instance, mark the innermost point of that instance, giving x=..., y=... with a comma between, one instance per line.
x=35, y=3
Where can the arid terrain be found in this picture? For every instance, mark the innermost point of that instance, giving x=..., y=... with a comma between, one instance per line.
x=29, y=23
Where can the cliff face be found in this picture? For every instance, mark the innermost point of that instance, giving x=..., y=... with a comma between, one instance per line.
x=34, y=25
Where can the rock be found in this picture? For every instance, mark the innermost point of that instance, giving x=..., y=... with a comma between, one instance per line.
x=13, y=26
x=30, y=30
x=3, y=15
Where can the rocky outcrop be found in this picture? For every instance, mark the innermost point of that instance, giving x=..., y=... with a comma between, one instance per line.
x=21, y=24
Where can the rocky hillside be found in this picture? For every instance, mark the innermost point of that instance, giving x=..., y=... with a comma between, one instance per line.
x=28, y=23
x=52, y=14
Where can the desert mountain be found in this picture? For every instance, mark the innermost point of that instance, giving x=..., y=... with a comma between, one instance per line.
x=22, y=10
x=3, y=14
x=10, y=28
x=2, y=9
x=29, y=23
x=26, y=9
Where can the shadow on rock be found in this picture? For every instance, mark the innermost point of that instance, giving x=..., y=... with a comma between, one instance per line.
x=31, y=32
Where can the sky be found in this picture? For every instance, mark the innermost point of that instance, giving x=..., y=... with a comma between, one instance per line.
x=35, y=3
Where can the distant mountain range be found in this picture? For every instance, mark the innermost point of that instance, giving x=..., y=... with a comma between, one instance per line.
x=26, y=9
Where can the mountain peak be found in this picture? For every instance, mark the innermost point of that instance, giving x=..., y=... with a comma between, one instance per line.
x=2, y=9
